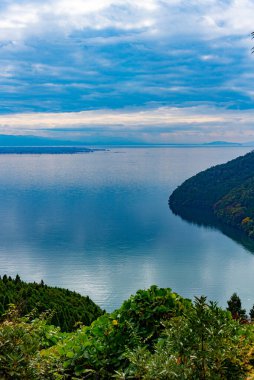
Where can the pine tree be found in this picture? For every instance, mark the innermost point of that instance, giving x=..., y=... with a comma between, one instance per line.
x=252, y=313
x=235, y=308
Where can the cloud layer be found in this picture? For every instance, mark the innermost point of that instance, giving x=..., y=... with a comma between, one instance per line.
x=112, y=58
x=160, y=125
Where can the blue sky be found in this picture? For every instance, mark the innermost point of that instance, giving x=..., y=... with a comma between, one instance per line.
x=103, y=71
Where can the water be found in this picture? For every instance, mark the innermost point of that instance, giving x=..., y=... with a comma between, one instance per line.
x=99, y=223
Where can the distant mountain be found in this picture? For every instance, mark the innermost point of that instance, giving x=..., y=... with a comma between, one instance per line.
x=30, y=140
x=224, y=191
x=38, y=141
x=223, y=143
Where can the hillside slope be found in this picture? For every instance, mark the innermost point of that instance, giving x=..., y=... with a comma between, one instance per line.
x=225, y=191
x=68, y=307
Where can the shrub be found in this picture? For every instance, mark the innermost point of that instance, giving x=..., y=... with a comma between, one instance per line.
x=20, y=341
x=205, y=343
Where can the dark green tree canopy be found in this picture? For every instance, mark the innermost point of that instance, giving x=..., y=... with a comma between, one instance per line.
x=235, y=307
x=68, y=307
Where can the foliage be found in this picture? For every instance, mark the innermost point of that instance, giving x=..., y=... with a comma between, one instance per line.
x=155, y=334
x=252, y=313
x=235, y=308
x=237, y=207
x=68, y=307
x=20, y=341
x=100, y=348
x=205, y=343
x=148, y=308
x=225, y=191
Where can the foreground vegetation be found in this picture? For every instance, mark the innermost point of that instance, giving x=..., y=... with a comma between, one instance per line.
x=225, y=191
x=155, y=334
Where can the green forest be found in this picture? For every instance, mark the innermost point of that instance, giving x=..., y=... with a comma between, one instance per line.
x=67, y=308
x=155, y=334
x=225, y=191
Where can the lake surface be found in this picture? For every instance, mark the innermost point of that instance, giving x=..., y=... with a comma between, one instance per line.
x=99, y=223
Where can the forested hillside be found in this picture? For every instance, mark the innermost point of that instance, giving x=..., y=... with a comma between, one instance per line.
x=68, y=307
x=225, y=191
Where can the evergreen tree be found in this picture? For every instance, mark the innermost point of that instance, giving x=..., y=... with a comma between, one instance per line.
x=67, y=307
x=17, y=279
x=252, y=313
x=235, y=308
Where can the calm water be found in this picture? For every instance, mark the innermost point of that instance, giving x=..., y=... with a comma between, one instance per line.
x=99, y=223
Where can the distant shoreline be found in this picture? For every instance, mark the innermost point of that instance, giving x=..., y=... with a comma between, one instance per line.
x=99, y=148
x=46, y=150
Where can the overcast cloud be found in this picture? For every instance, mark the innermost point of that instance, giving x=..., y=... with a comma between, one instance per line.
x=152, y=71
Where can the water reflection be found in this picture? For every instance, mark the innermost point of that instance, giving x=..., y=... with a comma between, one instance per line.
x=208, y=220
x=99, y=224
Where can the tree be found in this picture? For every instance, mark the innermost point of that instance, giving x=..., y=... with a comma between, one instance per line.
x=252, y=313
x=17, y=279
x=235, y=308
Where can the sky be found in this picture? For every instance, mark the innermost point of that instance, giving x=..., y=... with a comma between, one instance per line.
x=127, y=71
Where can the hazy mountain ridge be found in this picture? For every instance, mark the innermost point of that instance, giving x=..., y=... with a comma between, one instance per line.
x=31, y=140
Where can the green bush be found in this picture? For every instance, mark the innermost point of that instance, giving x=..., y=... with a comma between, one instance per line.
x=21, y=339
x=100, y=348
x=205, y=343
x=155, y=334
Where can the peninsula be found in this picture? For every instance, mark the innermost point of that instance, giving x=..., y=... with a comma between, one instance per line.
x=44, y=150
x=225, y=191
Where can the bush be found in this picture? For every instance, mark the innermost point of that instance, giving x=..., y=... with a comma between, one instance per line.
x=21, y=339
x=100, y=348
x=156, y=334
x=206, y=343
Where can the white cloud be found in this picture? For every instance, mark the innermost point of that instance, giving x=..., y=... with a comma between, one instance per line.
x=209, y=19
x=164, y=124
x=172, y=52
x=21, y=21
x=134, y=119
